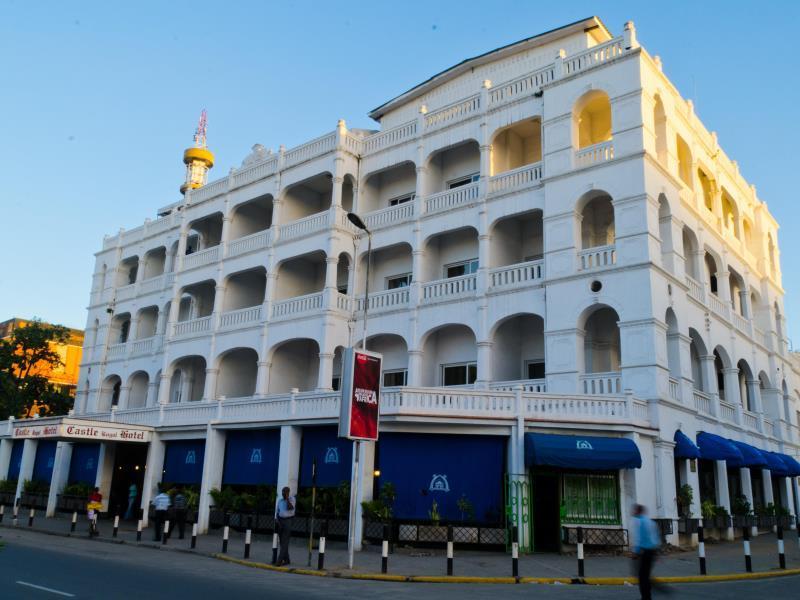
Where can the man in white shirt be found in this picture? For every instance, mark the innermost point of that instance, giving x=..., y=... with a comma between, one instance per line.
x=161, y=504
x=284, y=513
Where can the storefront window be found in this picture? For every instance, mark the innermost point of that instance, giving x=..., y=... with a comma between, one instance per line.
x=590, y=499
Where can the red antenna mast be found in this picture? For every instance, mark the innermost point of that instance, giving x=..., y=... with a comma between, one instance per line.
x=200, y=132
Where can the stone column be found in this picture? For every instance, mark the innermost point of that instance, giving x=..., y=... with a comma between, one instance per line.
x=710, y=377
x=766, y=480
x=366, y=464
x=152, y=393
x=60, y=477
x=723, y=496
x=747, y=492
x=213, y=465
x=289, y=458
x=785, y=490
x=26, y=465
x=152, y=473
x=163, y=388
x=666, y=486
x=105, y=471
x=6, y=446
x=690, y=477
x=484, y=364
x=731, y=378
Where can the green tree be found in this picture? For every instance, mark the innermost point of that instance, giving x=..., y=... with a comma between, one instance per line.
x=26, y=357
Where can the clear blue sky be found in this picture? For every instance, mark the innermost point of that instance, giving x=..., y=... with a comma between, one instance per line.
x=99, y=99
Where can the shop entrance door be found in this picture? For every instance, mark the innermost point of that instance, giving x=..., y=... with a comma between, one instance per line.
x=129, y=464
x=546, y=514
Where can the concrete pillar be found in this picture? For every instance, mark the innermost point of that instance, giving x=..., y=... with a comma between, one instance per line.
x=163, y=388
x=26, y=466
x=152, y=474
x=747, y=492
x=6, y=445
x=262, y=378
x=415, y=368
x=785, y=490
x=766, y=479
x=213, y=464
x=710, y=378
x=690, y=476
x=796, y=493
x=124, y=396
x=366, y=463
x=210, y=387
x=105, y=471
x=723, y=495
x=731, y=378
x=484, y=364
x=152, y=393
x=60, y=475
x=289, y=459
x=666, y=486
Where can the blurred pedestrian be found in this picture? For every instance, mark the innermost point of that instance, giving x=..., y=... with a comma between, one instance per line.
x=284, y=514
x=133, y=493
x=161, y=504
x=646, y=542
x=180, y=505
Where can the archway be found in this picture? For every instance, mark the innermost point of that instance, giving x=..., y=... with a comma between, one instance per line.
x=295, y=364
x=238, y=370
x=450, y=356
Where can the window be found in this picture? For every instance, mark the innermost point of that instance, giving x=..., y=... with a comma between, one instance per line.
x=465, y=267
x=401, y=199
x=335, y=383
x=466, y=180
x=590, y=498
x=395, y=378
x=535, y=369
x=398, y=281
x=460, y=374
x=342, y=289
x=123, y=331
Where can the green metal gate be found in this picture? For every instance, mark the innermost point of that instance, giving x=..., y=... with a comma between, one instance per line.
x=518, y=497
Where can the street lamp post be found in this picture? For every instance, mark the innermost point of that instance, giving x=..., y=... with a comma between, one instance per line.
x=356, y=486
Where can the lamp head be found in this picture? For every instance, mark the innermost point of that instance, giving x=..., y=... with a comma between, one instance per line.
x=356, y=220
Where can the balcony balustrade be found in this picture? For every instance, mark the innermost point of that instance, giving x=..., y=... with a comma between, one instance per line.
x=240, y=318
x=450, y=288
x=460, y=196
x=597, y=258
x=255, y=241
x=601, y=383
x=192, y=326
x=389, y=216
x=298, y=305
x=518, y=275
x=516, y=179
x=594, y=154
x=201, y=258
x=702, y=402
x=386, y=300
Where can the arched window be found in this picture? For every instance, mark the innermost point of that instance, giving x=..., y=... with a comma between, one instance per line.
x=592, y=119
x=660, y=125
x=684, y=161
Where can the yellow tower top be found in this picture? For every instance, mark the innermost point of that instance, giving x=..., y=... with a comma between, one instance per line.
x=198, y=159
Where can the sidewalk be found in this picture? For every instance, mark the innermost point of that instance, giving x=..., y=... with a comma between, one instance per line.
x=722, y=558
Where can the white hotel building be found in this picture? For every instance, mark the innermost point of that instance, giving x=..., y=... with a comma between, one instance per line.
x=559, y=246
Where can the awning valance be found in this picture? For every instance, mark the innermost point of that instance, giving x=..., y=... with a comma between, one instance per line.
x=684, y=447
x=751, y=456
x=776, y=464
x=791, y=464
x=714, y=447
x=581, y=452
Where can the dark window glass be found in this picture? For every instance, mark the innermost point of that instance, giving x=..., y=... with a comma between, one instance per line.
x=394, y=378
x=536, y=370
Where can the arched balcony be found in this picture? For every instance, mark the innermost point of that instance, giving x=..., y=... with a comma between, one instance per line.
x=195, y=308
x=202, y=242
x=601, y=352
x=249, y=226
x=450, y=357
x=238, y=370
x=592, y=129
x=389, y=278
x=299, y=285
x=244, y=296
x=452, y=177
x=451, y=265
x=386, y=197
x=138, y=387
x=597, y=232
x=188, y=379
x=294, y=365
x=516, y=250
x=109, y=393
x=518, y=353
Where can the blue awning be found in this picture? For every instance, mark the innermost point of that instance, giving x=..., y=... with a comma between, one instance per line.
x=791, y=464
x=581, y=452
x=751, y=456
x=714, y=447
x=775, y=464
x=684, y=447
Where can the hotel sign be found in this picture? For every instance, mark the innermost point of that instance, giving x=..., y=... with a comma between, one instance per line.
x=82, y=430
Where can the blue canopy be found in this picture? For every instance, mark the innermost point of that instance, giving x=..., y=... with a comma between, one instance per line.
x=581, y=452
x=752, y=457
x=714, y=447
x=684, y=447
x=791, y=464
x=775, y=464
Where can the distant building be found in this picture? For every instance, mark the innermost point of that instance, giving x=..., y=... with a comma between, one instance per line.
x=65, y=376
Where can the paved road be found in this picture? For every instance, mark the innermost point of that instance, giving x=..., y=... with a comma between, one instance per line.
x=79, y=568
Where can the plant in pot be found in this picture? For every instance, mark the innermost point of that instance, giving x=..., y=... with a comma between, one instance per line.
x=34, y=493
x=380, y=509
x=742, y=511
x=684, y=500
x=466, y=508
x=707, y=510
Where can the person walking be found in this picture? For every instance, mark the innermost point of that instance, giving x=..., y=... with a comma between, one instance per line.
x=283, y=524
x=180, y=505
x=93, y=508
x=646, y=544
x=161, y=504
x=133, y=493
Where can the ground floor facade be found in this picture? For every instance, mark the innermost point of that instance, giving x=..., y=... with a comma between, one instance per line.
x=472, y=459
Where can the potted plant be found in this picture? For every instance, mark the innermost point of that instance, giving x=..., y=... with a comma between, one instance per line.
x=465, y=507
x=722, y=520
x=34, y=494
x=74, y=497
x=684, y=500
x=8, y=491
x=742, y=512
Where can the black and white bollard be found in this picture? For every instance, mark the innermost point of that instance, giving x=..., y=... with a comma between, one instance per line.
x=449, y=550
x=514, y=551
x=323, y=534
x=74, y=522
x=748, y=561
x=701, y=547
x=30, y=517
x=139, y=530
x=2, y=512
x=781, y=555
x=225, y=532
x=275, y=548
x=579, y=534
x=115, y=531
x=165, y=533
x=247, y=535
x=16, y=514
x=385, y=549
x=194, y=536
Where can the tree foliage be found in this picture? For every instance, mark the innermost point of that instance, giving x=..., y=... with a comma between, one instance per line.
x=27, y=356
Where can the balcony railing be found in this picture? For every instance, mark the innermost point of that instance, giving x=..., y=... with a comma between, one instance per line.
x=149, y=286
x=516, y=179
x=674, y=389
x=255, y=241
x=597, y=153
x=596, y=55
x=702, y=401
x=727, y=412
x=240, y=317
x=695, y=290
x=309, y=150
x=386, y=300
x=719, y=306
x=460, y=196
x=522, y=86
x=518, y=275
x=126, y=292
x=192, y=326
x=144, y=346
x=597, y=258
x=258, y=171
x=741, y=323
x=343, y=302
x=601, y=383
x=389, y=216
x=203, y=257
x=445, y=289
x=453, y=112
x=390, y=137
x=117, y=351
x=751, y=421
x=528, y=385
x=305, y=226
x=297, y=305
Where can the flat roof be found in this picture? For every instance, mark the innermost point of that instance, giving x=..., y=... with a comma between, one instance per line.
x=470, y=63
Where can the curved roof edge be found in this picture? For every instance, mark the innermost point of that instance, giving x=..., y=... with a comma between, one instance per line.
x=470, y=63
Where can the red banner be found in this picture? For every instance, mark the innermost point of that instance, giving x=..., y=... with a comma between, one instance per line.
x=360, y=395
